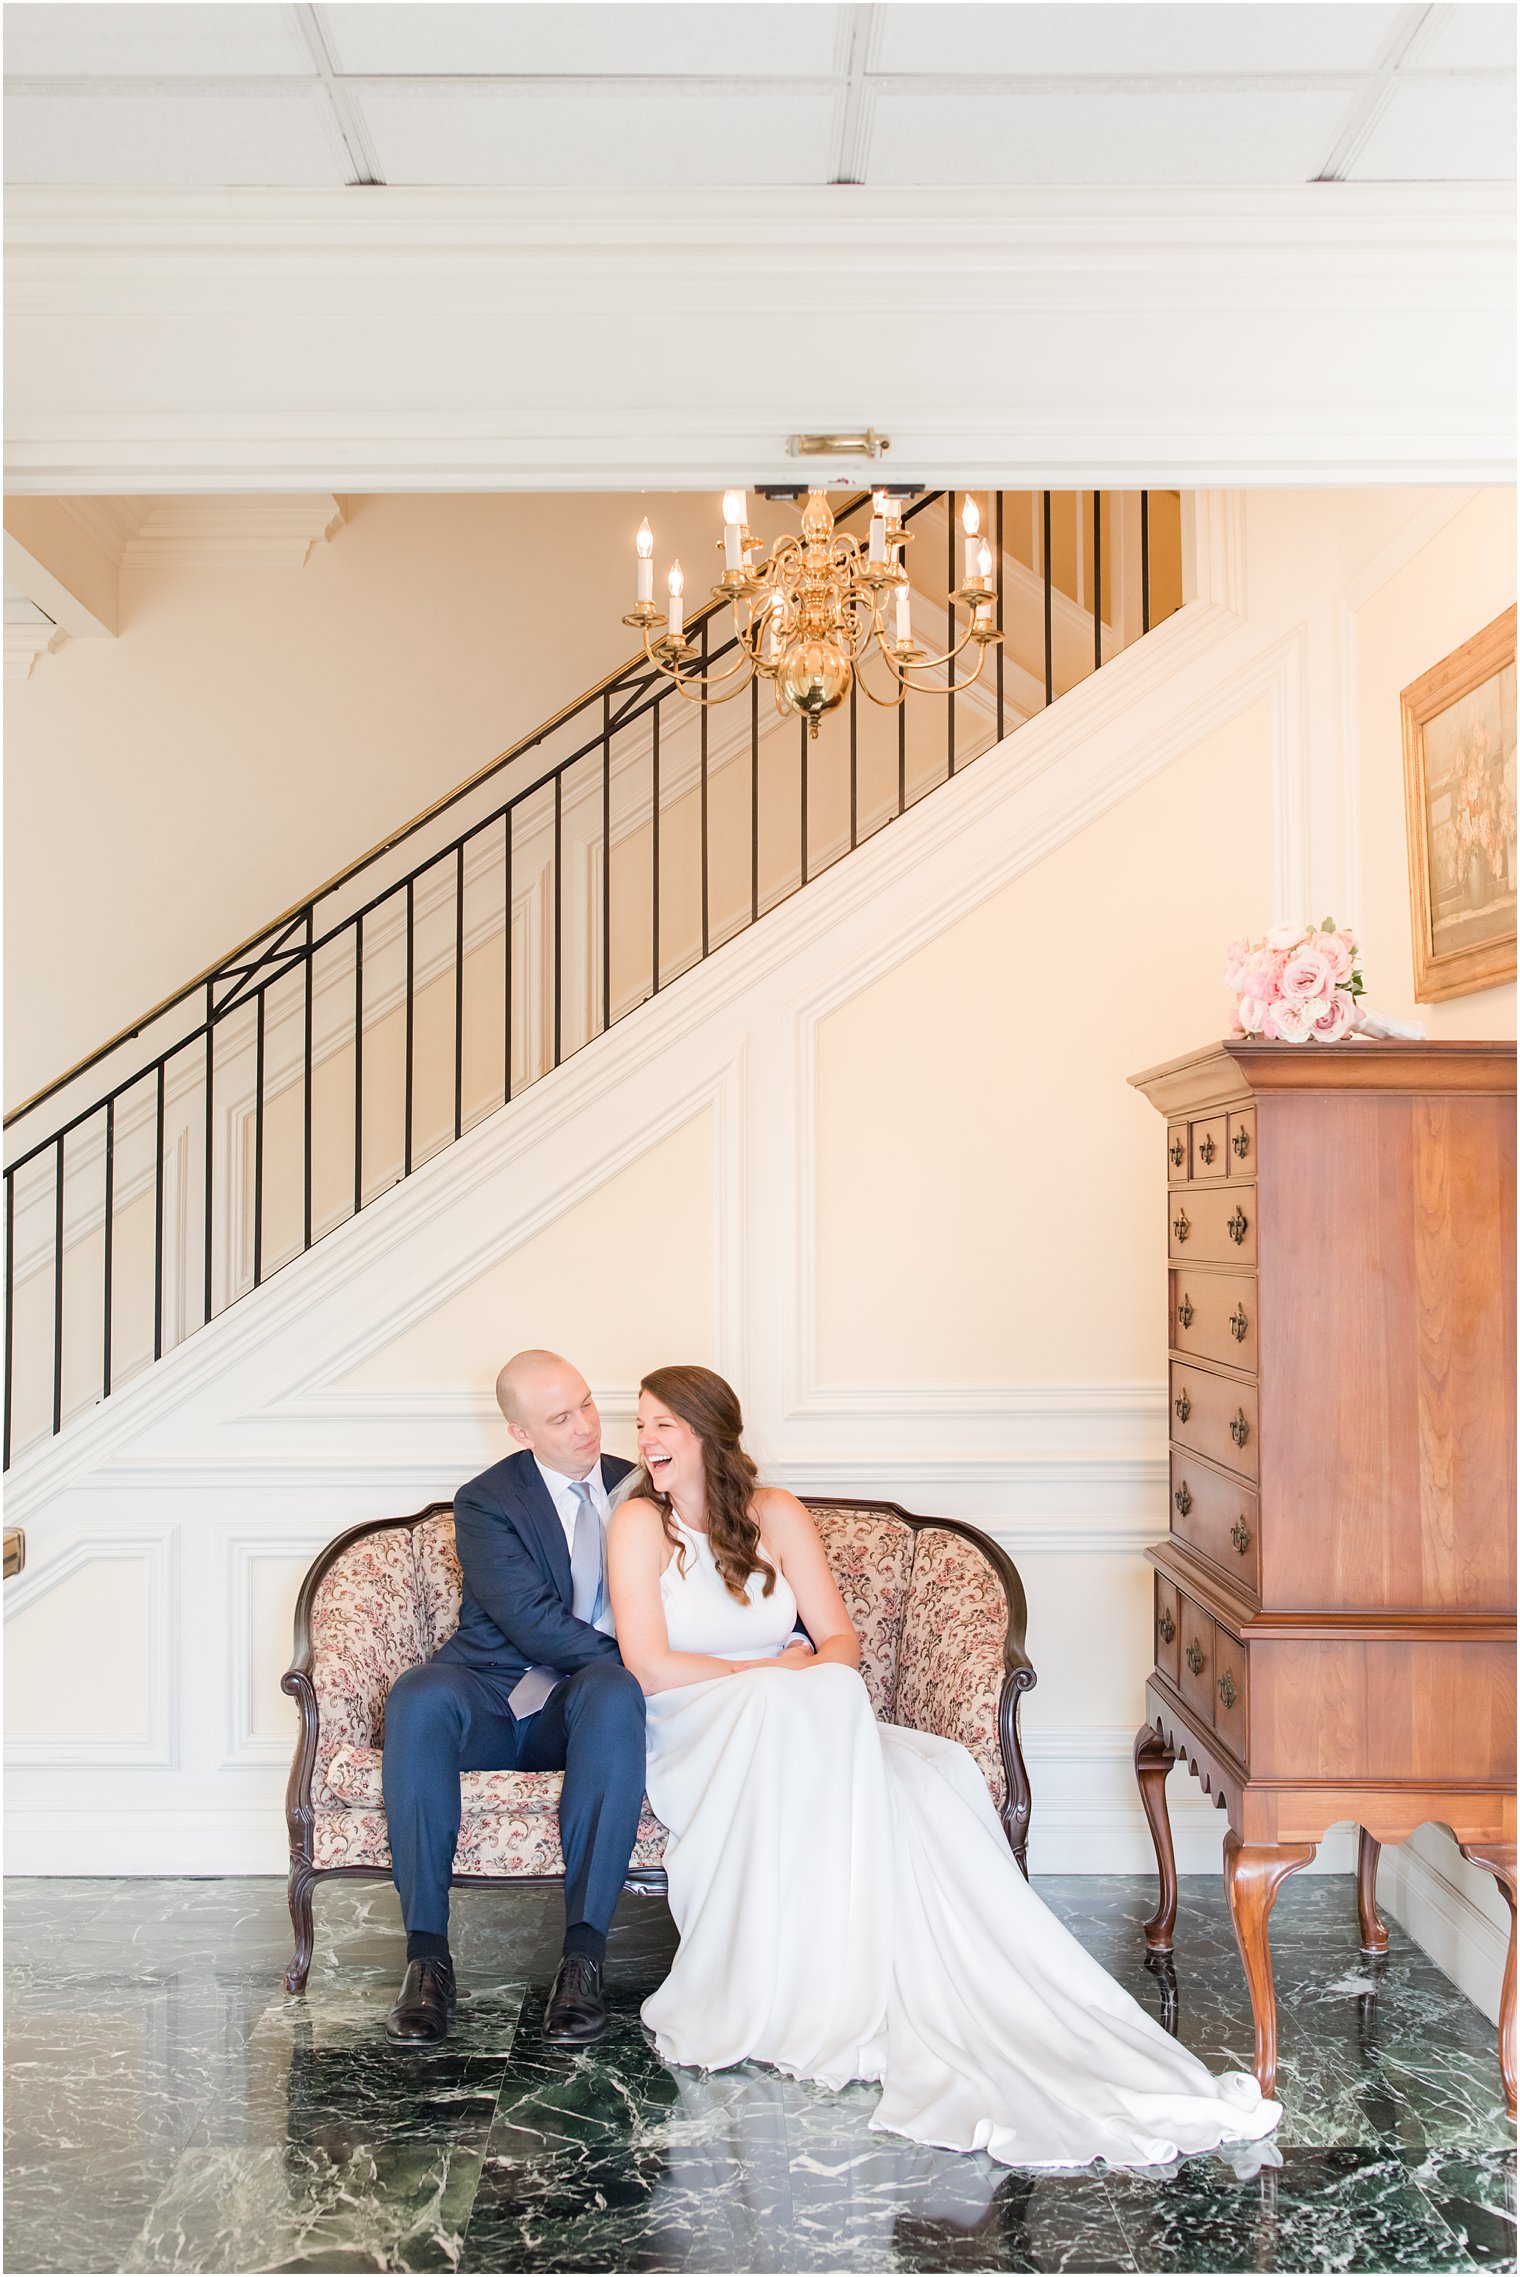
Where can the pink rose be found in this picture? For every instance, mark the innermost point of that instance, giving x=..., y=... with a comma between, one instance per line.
x=1294, y=1021
x=1336, y=950
x=1334, y=1020
x=1286, y=937
x=1251, y=1012
x=1306, y=977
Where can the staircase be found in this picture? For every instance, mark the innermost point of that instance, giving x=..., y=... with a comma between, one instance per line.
x=440, y=976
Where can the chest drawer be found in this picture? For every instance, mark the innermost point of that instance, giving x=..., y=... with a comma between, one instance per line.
x=1168, y=1628
x=1218, y=1517
x=1214, y=1315
x=1211, y=1148
x=1195, y=1679
x=1242, y=1143
x=1212, y=1225
x=1229, y=1707
x=1216, y=1417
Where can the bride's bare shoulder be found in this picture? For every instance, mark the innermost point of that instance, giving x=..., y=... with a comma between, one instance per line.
x=780, y=1513
x=635, y=1521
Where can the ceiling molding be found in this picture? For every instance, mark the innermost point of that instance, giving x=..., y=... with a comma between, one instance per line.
x=231, y=533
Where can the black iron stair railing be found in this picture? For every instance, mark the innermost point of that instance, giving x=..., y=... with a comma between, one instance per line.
x=274, y=1096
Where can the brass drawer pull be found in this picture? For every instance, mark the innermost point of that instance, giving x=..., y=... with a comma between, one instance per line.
x=1195, y=1657
x=1241, y=1142
x=1185, y=1312
x=1239, y=1324
x=1183, y=1498
x=1207, y=1149
x=1175, y=1153
x=1237, y=1226
x=1166, y=1628
x=1182, y=1407
x=1240, y=1429
x=1227, y=1691
x=1180, y=1227
x=1240, y=1535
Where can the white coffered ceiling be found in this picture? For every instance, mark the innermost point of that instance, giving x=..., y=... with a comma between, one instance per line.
x=714, y=93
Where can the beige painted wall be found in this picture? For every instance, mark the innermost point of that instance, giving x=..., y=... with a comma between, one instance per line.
x=251, y=731
x=1450, y=590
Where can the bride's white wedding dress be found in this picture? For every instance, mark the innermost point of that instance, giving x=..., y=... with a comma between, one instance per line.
x=849, y=1909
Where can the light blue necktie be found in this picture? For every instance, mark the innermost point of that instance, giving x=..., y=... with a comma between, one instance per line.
x=587, y=1599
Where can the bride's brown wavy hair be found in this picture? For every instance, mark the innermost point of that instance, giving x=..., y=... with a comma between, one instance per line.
x=711, y=1408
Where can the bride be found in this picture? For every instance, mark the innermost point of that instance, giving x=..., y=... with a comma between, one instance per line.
x=847, y=1903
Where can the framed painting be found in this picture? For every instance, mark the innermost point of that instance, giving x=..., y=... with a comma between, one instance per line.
x=1459, y=807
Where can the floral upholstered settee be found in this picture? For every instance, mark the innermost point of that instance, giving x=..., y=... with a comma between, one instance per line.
x=938, y=1606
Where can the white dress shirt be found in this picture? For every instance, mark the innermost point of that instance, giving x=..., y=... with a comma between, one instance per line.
x=562, y=1493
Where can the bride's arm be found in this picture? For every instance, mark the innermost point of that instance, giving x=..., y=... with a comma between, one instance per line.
x=637, y=1549
x=789, y=1530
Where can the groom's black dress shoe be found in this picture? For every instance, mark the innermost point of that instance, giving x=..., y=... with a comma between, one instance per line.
x=424, y=2005
x=577, y=2010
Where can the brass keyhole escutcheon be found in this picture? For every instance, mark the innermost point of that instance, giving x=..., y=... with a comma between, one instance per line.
x=1207, y=1148
x=1185, y=1312
x=1239, y=1324
x=1181, y=1227
x=1167, y=1628
x=1227, y=1691
x=1182, y=1407
x=1195, y=1657
x=1241, y=1142
x=1183, y=1498
x=1237, y=1226
x=1240, y=1535
x=1240, y=1429
x=1175, y=1153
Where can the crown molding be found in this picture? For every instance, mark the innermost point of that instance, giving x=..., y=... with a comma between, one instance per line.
x=267, y=532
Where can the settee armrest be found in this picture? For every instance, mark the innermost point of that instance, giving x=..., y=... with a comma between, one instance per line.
x=962, y=1668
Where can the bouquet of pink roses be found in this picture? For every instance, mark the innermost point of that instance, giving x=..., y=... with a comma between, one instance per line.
x=1299, y=984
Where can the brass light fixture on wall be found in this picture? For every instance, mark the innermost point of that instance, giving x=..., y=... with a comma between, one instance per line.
x=808, y=613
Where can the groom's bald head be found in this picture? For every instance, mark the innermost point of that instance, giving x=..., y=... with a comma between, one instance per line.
x=548, y=1406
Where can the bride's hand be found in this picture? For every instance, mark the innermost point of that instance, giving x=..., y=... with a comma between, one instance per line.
x=798, y=1654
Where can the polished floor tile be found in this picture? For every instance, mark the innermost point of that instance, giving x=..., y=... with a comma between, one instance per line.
x=168, y=2108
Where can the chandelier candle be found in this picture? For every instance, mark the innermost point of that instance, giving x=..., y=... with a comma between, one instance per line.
x=971, y=522
x=643, y=546
x=677, y=585
x=877, y=550
x=734, y=520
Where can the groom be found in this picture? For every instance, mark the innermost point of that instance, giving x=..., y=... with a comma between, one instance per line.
x=530, y=1681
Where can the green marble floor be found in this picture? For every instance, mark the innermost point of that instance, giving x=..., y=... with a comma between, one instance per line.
x=168, y=2109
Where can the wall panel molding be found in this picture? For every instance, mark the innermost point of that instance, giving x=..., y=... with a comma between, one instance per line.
x=156, y=1743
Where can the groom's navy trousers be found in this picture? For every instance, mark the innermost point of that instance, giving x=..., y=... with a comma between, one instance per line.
x=451, y=1715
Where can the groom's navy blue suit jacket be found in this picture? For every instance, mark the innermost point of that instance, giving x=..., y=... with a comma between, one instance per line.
x=514, y=1612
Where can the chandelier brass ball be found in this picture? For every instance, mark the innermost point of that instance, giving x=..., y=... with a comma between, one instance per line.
x=813, y=677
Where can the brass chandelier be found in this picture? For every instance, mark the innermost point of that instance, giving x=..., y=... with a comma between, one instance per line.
x=809, y=612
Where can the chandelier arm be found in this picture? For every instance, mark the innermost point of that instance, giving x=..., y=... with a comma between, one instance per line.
x=932, y=663
x=739, y=672
x=884, y=703
x=960, y=686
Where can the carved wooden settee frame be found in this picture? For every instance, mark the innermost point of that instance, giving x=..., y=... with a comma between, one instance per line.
x=995, y=1710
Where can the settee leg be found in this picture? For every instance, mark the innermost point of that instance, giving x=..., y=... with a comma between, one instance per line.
x=1017, y=1809
x=301, y=1882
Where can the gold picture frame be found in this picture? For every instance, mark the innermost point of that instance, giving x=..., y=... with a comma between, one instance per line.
x=1459, y=810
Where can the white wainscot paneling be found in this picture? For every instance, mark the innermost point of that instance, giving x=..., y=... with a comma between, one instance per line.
x=91, y=1652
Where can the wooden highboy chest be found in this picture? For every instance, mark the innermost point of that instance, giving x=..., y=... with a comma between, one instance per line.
x=1335, y=1600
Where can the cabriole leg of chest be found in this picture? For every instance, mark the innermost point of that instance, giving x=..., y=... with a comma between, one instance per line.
x=1153, y=1760
x=1253, y=1875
